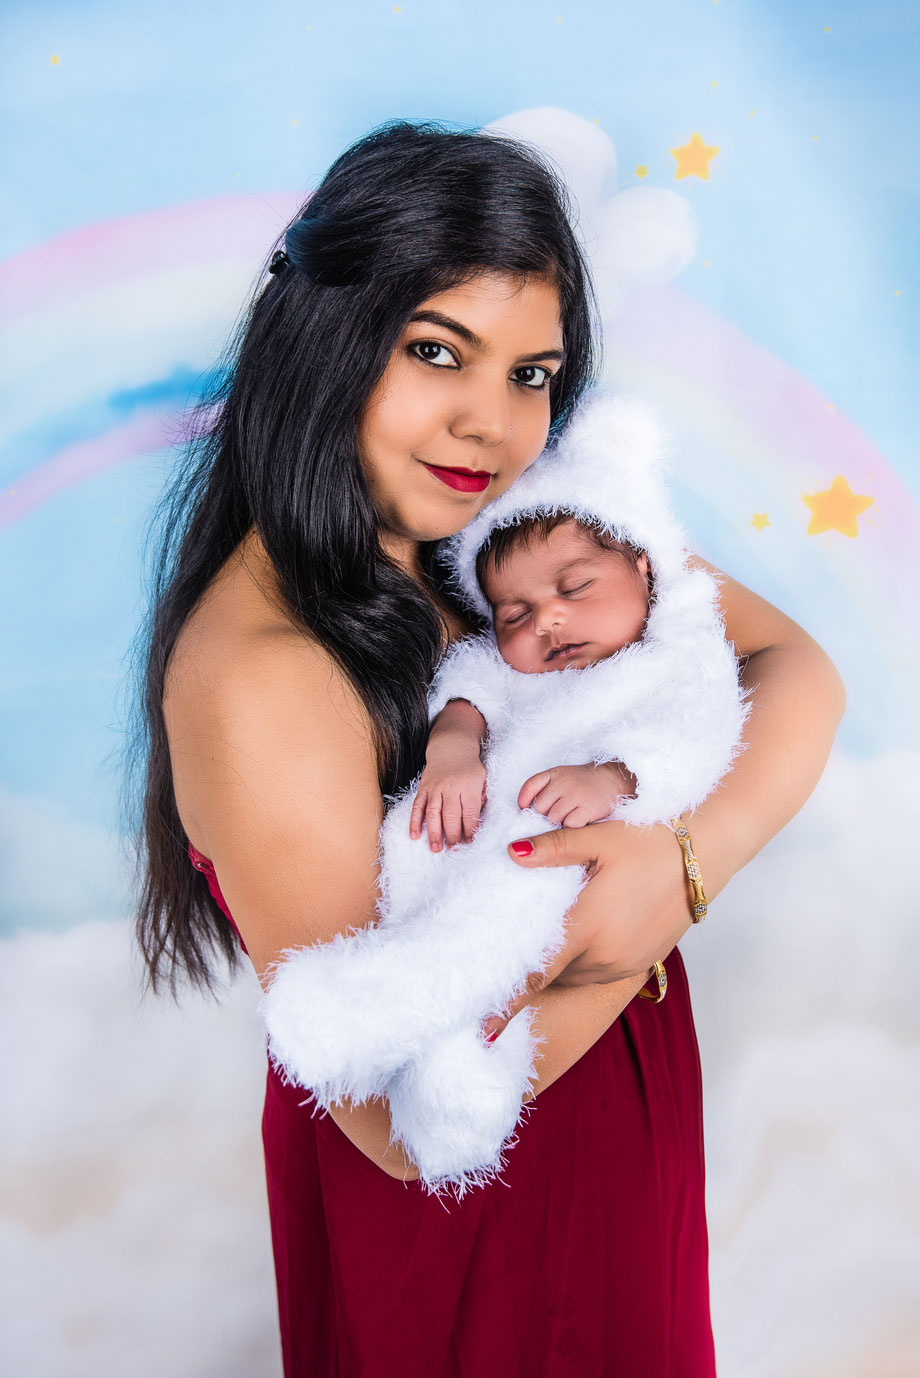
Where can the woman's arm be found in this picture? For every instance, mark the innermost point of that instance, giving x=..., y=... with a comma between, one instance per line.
x=276, y=781
x=798, y=700
x=637, y=904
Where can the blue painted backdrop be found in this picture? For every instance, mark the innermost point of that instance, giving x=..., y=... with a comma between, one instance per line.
x=745, y=176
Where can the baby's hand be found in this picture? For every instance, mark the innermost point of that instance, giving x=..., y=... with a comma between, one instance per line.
x=577, y=795
x=449, y=800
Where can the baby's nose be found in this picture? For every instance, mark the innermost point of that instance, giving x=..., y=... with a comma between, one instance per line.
x=549, y=617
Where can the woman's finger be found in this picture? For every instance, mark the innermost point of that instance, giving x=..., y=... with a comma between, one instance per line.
x=558, y=848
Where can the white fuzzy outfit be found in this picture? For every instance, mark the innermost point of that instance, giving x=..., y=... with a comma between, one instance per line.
x=396, y=1008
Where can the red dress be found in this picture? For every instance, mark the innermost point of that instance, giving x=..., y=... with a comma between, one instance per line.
x=589, y=1259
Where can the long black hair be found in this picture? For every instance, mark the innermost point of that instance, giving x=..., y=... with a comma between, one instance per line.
x=409, y=210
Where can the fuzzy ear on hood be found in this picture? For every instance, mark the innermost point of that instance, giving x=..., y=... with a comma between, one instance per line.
x=607, y=467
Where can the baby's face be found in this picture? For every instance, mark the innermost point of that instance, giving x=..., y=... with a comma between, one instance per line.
x=565, y=601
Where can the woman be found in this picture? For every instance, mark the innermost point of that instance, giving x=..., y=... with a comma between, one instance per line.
x=428, y=327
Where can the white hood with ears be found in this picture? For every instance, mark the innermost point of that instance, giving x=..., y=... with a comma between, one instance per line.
x=608, y=467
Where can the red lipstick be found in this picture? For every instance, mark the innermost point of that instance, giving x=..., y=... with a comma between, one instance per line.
x=464, y=480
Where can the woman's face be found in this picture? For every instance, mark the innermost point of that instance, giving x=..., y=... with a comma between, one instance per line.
x=462, y=408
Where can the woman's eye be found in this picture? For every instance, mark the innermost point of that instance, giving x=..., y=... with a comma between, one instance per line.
x=433, y=349
x=431, y=344
x=534, y=368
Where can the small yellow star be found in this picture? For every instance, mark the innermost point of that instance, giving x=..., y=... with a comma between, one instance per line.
x=693, y=158
x=705, y=262
x=815, y=137
x=826, y=28
x=713, y=83
x=55, y=60
x=293, y=122
x=752, y=112
x=642, y=171
x=836, y=509
x=759, y=521
x=897, y=291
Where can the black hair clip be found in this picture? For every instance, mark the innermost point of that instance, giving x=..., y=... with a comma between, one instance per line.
x=279, y=260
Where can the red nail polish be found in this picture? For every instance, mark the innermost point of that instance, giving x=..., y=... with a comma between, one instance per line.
x=490, y=1038
x=522, y=848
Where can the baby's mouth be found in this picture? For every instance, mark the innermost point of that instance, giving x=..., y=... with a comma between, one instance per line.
x=566, y=650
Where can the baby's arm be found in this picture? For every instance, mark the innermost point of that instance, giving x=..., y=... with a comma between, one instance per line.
x=452, y=787
x=577, y=795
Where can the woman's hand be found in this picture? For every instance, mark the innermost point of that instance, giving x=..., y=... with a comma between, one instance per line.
x=633, y=909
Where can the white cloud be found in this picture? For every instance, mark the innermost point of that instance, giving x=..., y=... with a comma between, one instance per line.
x=133, y=1218
x=801, y=978
x=634, y=236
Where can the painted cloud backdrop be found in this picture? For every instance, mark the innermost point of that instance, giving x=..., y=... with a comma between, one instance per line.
x=743, y=180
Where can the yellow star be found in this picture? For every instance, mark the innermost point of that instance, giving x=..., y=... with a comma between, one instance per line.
x=836, y=509
x=693, y=159
x=760, y=520
x=55, y=60
x=642, y=171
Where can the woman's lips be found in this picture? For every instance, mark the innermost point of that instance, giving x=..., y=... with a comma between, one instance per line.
x=464, y=480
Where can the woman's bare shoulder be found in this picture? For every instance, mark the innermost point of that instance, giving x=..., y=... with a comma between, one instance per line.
x=274, y=766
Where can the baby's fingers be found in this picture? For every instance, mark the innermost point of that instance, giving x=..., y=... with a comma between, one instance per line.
x=418, y=813
x=532, y=787
x=452, y=817
x=471, y=814
x=433, y=822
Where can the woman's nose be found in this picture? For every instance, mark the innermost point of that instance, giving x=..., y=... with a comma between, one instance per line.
x=485, y=415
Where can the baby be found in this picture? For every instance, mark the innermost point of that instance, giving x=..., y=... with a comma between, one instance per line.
x=563, y=592
x=605, y=689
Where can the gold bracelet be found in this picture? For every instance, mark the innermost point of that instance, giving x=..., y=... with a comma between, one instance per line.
x=700, y=903
x=661, y=976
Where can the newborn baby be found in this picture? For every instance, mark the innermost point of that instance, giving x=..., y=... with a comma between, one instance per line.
x=562, y=592
x=606, y=689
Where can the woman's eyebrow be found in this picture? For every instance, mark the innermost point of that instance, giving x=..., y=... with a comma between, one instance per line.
x=448, y=323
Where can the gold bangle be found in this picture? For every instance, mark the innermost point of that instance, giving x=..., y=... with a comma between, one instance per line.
x=700, y=902
x=659, y=972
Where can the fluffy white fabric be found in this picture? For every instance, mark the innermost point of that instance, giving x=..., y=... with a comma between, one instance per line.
x=396, y=1008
